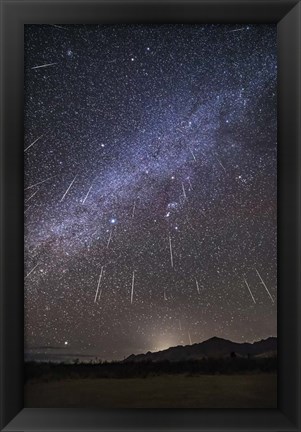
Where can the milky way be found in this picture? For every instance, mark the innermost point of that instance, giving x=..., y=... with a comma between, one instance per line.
x=150, y=210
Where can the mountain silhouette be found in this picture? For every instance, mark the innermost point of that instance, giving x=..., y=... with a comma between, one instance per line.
x=214, y=347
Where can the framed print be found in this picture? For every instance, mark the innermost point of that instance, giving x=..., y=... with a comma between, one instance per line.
x=150, y=215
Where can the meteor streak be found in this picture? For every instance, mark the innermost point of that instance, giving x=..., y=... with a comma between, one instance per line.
x=189, y=338
x=98, y=285
x=68, y=188
x=180, y=325
x=184, y=192
x=87, y=194
x=170, y=249
x=40, y=182
x=221, y=165
x=33, y=143
x=31, y=196
x=31, y=270
x=60, y=27
x=192, y=154
x=109, y=241
x=165, y=298
x=264, y=285
x=250, y=291
x=190, y=185
x=43, y=66
x=197, y=286
x=27, y=208
x=133, y=284
x=236, y=30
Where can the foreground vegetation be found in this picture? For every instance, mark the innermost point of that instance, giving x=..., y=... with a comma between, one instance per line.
x=206, y=366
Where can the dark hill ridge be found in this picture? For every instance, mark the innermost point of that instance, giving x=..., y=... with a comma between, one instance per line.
x=214, y=347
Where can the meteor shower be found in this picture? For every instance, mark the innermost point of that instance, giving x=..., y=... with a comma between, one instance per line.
x=150, y=214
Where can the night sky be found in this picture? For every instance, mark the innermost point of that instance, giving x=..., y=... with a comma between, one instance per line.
x=150, y=210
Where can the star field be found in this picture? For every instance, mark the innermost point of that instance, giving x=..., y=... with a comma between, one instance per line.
x=150, y=210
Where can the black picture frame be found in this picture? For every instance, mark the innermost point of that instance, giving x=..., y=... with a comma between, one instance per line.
x=16, y=13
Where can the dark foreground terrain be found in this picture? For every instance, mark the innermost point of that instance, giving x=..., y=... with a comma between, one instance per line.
x=206, y=391
x=208, y=383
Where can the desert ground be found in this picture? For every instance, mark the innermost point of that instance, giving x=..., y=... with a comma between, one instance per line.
x=175, y=391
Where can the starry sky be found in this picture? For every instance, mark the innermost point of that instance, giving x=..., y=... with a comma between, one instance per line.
x=150, y=187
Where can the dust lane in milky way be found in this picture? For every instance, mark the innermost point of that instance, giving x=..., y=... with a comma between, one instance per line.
x=150, y=186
